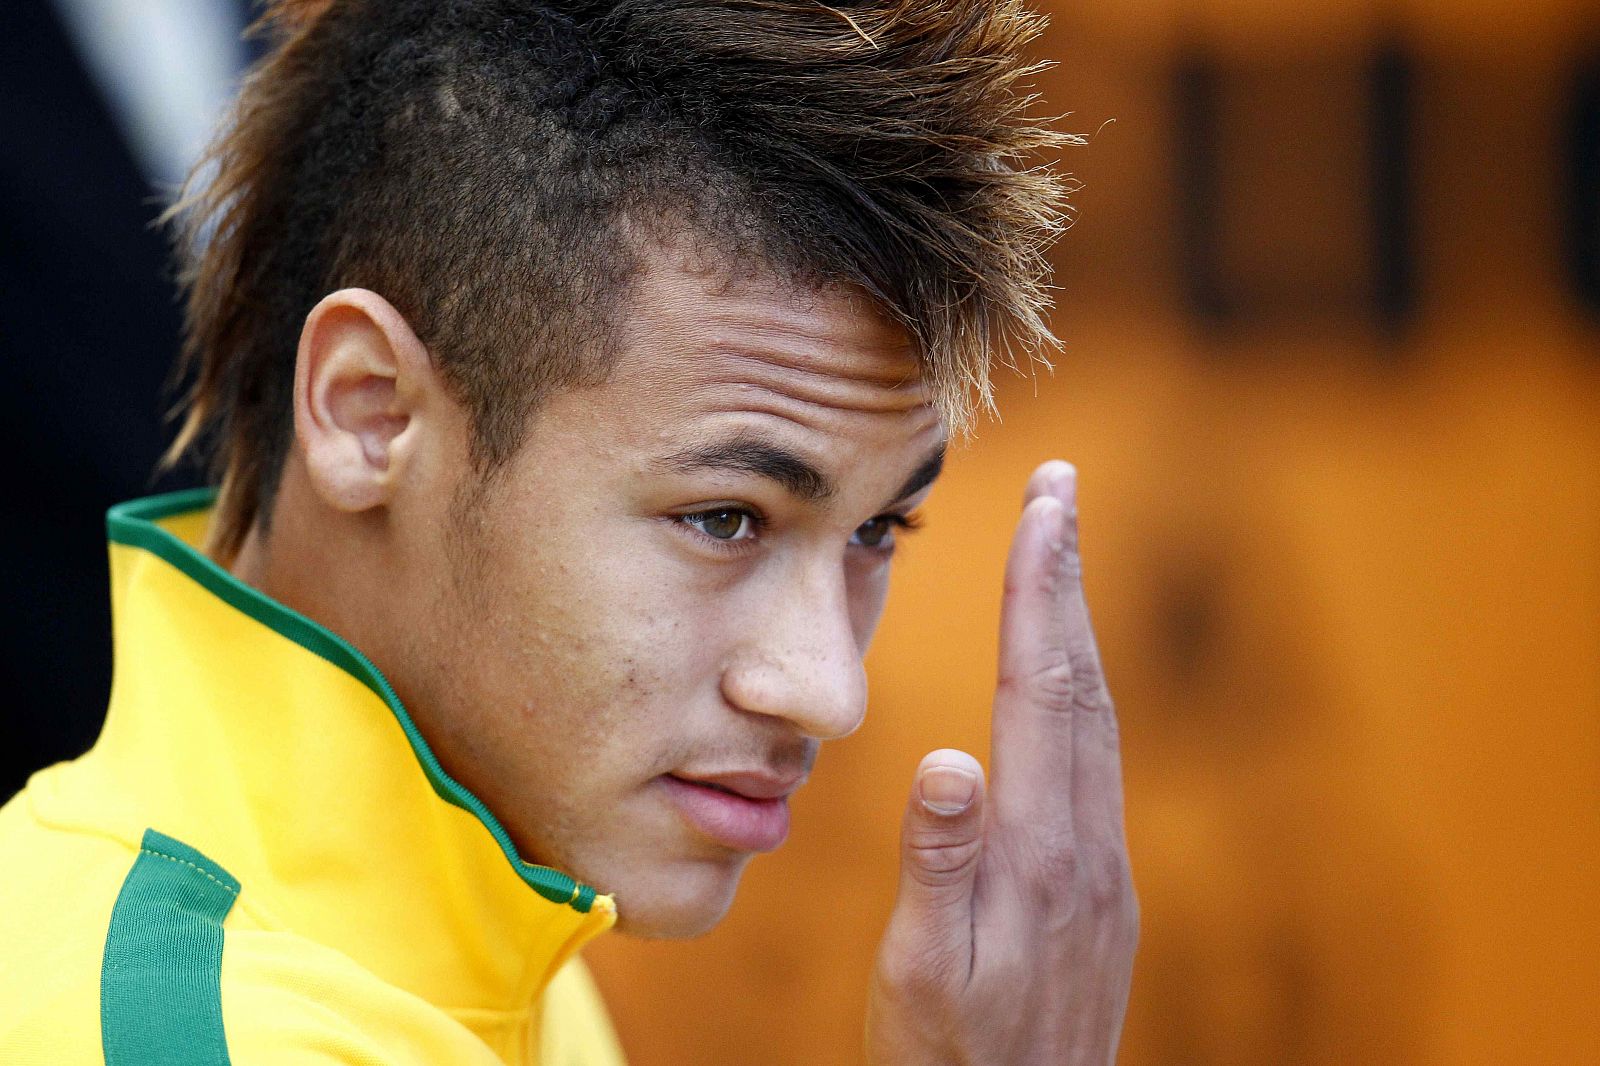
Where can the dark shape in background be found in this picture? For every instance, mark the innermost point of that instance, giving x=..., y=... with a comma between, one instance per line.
x=89, y=327
x=1265, y=182
x=1583, y=186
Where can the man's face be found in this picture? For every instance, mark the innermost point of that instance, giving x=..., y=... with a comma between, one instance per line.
x=675, y=579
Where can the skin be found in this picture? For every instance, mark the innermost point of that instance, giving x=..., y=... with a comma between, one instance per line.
x=1013, y=935
x=604, y=611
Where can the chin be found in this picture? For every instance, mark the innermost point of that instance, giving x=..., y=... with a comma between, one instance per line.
x=684, y=901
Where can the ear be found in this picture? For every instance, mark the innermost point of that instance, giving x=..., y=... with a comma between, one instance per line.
x=363, y=385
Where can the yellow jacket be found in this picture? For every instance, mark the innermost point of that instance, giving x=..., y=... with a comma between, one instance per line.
x=261, y=861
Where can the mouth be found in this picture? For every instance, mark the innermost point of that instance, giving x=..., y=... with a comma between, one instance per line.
x=741, y=812
x=713, y=786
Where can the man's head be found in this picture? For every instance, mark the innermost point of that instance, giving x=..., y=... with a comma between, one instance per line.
x=579, y=362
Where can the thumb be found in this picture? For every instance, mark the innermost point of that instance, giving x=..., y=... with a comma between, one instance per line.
x=940, y=843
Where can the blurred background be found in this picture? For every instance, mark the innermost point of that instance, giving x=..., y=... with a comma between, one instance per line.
x=1332, y=379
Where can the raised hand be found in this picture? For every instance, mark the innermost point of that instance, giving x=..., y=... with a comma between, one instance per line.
x=1013, y=936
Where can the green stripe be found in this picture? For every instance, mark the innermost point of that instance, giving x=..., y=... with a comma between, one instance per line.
x=133, y=524
x=161, y=979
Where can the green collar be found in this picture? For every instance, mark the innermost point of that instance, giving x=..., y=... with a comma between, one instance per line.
x=135, y=524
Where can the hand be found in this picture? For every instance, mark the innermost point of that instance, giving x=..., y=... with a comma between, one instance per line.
x=1013, y=936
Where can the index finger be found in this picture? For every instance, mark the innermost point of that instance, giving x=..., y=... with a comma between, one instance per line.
x=1031, y=741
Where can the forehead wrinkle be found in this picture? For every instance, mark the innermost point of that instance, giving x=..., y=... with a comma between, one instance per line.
x=878, y=369
x=768, y=395
x=822, y=418
x=841, y=387
x=841, y=355
x=682, y=365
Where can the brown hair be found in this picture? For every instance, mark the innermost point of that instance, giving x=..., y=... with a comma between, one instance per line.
x=487, y=165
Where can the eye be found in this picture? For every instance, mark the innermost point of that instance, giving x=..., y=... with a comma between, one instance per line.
x=725, y=524
x=879, y=532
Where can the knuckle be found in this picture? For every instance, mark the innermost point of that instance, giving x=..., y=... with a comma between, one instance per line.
x=1058, y=872
x=1079, y=881
x=938, y=860
x=1071, y=682
x=1050, y=687
x=1050, y=873
x=1106, y=890
x=1090, y=693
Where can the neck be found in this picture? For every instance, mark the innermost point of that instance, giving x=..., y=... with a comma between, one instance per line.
x=336, y=569
x=272, y=745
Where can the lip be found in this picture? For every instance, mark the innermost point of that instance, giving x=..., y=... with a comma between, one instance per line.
x=752, y=816
x=749, y=784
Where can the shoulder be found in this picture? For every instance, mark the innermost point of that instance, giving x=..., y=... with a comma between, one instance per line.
x=130, y=953
x=56, y=898
x=145, y=952
x=286, y=999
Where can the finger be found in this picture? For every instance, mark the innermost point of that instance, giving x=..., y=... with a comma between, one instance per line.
x=1046, y=480
x=941, y=841
x=1032, y=724
x=1097, y=750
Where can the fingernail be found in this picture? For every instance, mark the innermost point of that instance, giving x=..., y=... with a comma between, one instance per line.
x=947, y=790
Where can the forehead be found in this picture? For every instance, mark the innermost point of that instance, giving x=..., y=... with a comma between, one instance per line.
x=826, y=359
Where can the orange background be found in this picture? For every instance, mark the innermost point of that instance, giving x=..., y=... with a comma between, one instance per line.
x=1346, y=578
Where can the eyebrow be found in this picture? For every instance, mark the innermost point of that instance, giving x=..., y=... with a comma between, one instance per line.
x=745, y=455
x=922, y=477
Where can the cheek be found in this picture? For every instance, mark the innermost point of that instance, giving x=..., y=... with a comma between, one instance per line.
x=595, y=654
x=868, y=587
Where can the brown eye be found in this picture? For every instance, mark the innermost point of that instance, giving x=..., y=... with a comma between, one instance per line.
x=722, y=525
x=874, y=532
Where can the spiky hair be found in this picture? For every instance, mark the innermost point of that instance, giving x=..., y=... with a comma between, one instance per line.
x=489, y=165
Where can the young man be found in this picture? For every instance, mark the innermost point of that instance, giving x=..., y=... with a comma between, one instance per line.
x=570, y=370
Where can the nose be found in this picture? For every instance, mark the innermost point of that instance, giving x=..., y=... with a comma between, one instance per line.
x=801, y=660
